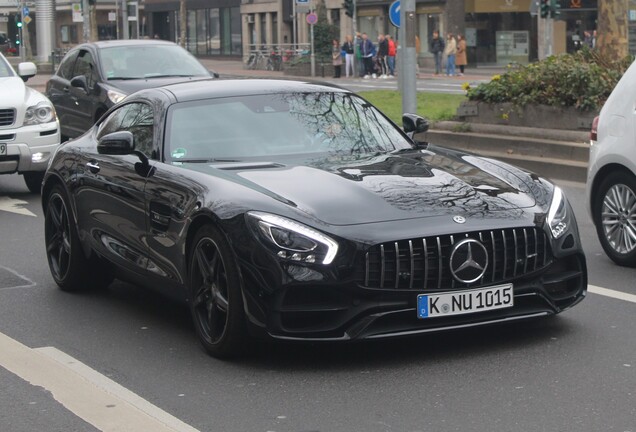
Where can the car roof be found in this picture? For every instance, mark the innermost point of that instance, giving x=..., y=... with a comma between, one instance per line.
x=215, y=88
x=128, y=42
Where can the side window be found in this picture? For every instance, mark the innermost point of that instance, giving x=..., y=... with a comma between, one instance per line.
x=65, y=69
x=138, y=119
x=86, y=66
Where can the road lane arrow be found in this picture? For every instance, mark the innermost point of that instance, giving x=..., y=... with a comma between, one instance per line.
x=14, y=206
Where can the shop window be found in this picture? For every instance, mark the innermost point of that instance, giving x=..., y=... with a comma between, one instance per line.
x=214, y=32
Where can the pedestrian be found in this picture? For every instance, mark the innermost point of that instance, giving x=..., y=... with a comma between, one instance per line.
x=361, y=68
x=367, y=51
x=587, y=39
x=460, y=59
x=349, y=50
x=391, y=57
x=594, y=39
x=437, y=48
x=336, y=56
x=383, y=53
x=450, y=51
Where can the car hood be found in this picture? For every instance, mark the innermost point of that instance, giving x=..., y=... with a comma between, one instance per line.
x=414, y=184
x=133, y=85
x=14, y=92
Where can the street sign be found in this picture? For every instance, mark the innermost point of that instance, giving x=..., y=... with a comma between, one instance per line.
x=394, y=13
x=302, y=2
x=25, y=11
x=27, y=19
x=112, y=16
x=312, y=18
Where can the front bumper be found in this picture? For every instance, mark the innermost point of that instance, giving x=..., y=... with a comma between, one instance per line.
x=349, y=311
x=29, y=148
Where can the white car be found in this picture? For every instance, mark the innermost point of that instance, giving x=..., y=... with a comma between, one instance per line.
x=611, y=177
x=29, y=129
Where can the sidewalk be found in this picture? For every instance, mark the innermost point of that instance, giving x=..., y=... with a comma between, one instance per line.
x=236, y=69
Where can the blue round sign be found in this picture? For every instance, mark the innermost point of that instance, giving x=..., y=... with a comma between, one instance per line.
x=394, y=13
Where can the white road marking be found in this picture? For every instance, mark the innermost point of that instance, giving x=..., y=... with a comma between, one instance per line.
x=85, y=392
x=13, y=206
x=29, y=283
x=620, y=295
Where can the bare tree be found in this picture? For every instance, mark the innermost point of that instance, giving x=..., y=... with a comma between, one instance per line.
x=612, y=28
x=183, y=21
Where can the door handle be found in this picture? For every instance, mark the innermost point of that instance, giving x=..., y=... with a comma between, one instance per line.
x=93, y=167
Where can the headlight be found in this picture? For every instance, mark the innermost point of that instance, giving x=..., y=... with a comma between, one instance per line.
x=294, y=241
x=115, y=96
x=558, y=213
x=41, y=113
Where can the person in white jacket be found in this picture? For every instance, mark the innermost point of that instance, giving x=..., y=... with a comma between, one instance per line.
x=449, y=52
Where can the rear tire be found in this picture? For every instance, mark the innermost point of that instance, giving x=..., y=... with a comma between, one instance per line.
x=615, y=217
x=216, y=300
x=33, y=181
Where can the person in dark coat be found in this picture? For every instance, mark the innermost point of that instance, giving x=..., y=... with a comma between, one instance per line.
x=437, y=46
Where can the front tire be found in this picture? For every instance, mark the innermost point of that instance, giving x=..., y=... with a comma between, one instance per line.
x=216, y=301
x=615, y=218
x=33, y=181
x=70, y=269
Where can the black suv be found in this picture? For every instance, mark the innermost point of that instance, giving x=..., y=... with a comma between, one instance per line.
x=94, y=76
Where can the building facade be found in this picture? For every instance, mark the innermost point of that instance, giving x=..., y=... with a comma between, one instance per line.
x=496, y=31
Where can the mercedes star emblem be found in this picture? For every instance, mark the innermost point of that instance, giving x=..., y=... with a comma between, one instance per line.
x=459, y=219
x=468, y=261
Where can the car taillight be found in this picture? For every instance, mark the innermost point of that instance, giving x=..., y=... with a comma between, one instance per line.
x=594, y=130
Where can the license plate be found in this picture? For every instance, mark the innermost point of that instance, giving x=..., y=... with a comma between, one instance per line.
x=3, y=149
x=464, y=302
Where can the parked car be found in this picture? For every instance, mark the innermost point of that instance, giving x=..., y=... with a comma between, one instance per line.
x=611, y=177
x=300, y=212
x=29, y=130
x=94, y=76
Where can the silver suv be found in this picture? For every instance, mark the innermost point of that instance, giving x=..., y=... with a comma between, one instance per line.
x=29, y=129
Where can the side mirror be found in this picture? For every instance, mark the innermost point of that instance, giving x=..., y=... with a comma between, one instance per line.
x=116, y=143
x=27, y=70
x=213, y=74
x=414, y=123
x=80, y=82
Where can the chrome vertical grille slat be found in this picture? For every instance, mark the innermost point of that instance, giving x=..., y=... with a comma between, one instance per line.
x=382, y=261
x=439, y=263
x=423, y=264
x=412, y=264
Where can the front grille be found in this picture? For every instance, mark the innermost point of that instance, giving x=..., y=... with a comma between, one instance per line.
x=423, y=263
x=7, y=116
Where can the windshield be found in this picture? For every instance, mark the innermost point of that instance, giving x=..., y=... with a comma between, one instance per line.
x=148, y=61
x=5, y=69
x=275, y=125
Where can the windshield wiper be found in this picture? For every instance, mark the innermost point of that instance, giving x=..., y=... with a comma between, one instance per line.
x=204, y=160
x=168, y=76
x=123, y=78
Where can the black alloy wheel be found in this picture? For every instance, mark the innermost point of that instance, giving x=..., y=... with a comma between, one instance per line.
x=216, y=300
x=615, y=217
x=70, y=269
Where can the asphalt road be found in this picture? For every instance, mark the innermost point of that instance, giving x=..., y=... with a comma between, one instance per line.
x=574, y=372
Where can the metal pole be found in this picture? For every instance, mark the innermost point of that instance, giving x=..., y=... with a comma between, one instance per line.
x=294, y=36
x=313, y=54
x=86, y=25
x=124, y=19
x=22, y=46
x=408, y=72
x=355, y=41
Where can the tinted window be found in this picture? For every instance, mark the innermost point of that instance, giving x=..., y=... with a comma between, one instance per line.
x=136, y=118
x=65, y=69
x=86, y=66
x=277, y=125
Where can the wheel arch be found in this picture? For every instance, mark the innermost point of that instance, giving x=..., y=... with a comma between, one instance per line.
x=601, y=175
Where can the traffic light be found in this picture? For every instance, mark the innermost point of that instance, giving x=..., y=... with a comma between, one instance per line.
x=19, y=24
x=348, y=5
x=544, y=8
x=555, y=9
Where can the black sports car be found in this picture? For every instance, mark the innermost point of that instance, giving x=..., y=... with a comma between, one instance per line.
x=299, y=211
